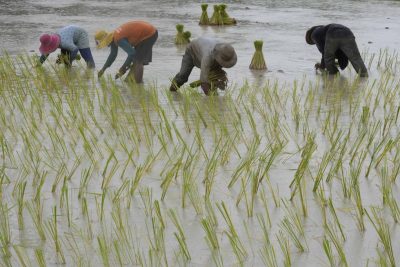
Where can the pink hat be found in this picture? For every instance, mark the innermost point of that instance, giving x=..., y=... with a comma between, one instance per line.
x=49, y=43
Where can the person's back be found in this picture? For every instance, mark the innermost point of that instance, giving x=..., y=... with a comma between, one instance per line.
x=200, y=48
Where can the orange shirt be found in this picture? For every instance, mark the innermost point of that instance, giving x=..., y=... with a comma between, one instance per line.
x=135, y=31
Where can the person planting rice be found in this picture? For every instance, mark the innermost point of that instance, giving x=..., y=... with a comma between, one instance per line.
x=71, y=39
x=210, y=56
x=336, y=41
x=136, y=38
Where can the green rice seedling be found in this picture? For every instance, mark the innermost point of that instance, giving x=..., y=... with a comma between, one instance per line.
x=293, y=227
x=266, y=209
x=20, y=192
x=23, y=257
x=382, y=229
x=328, y=252
x=306, y=154
x=5, y=231
x=267, y=251
x=234, y=239
x=204, y=20
x=187, y=35
x=212, y=240
x=216, y=18
x=180, y=235
x=336, y=218
x=84, y=181
x=40, y=259
x=104, y=250
x=258, y=61
x=146, y=196
x=225, y=17
x=327, y=157
x=180, y=38
x=284, y=244
x=333, y=237
x=51, y=226
x=35, y=209
x=359, y=207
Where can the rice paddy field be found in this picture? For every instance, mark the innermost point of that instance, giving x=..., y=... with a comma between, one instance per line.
x=281, y=169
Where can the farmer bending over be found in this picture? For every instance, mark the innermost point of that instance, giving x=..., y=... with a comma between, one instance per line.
x=70, y=39
x=136, y=38
x=210, y=56
x=336, y=41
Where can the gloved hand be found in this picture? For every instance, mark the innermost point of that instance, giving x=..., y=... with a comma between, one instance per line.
x=120, y=73
x=100, y=73
x=206, y=88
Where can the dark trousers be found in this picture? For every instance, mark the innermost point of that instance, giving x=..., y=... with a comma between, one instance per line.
x=349, y=47
x=187, y=66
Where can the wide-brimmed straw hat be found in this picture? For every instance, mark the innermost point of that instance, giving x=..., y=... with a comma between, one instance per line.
x=309, y=32
x=49, y=43
x=103, y=38
x=225, y=55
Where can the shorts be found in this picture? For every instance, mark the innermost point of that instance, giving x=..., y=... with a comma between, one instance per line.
x=144, y=49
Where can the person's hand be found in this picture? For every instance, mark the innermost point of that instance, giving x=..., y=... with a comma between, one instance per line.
x=100, y=73
x=318, y=66
x=120, y=73
x=206, y=88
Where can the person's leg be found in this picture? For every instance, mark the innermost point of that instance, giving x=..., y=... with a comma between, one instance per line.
x=184, y=73
x=331, y=45
x=87, y=56
x=350, y=49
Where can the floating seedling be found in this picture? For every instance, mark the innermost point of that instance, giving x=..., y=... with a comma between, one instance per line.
x=258, y=61
x=204, y=20
x=225, y=17
x=182, y=37
x=216, y=18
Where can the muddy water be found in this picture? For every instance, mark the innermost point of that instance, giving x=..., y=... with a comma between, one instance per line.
x=281, y=24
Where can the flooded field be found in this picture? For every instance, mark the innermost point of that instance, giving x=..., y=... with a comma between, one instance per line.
x=285, y=168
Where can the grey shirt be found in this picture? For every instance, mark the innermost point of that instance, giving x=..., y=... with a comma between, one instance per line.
x=202, y=52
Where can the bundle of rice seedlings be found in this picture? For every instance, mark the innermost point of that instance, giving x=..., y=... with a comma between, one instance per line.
x=217, y=78
x=204, y=20
x=258, y=62
x=180, y=38
x=64, y=59
x=225, y=17
x=216, y=18
x=187, y=36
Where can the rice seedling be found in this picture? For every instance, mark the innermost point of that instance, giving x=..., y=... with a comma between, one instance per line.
x=234, y=239
x=382, y=229
x=333, y=237
x=180, y=235
x=40, y=258
x=181, y=37
x=204, y=20
x=23, y=257
x=258, y=61
x=216, y=18
x=267, y=251
x=225, y=17
x=306, y=154
x=212, y=240
x=285, y=248
x=52, y=229
x=5, y=231
x=293, y=227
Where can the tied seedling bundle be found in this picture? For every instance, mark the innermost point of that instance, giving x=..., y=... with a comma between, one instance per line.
x=225, y=17
x=217, y=78
x=182, y=37
x=204, y=20
x=258, y=62
x=216, y=18
x=65, y=59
